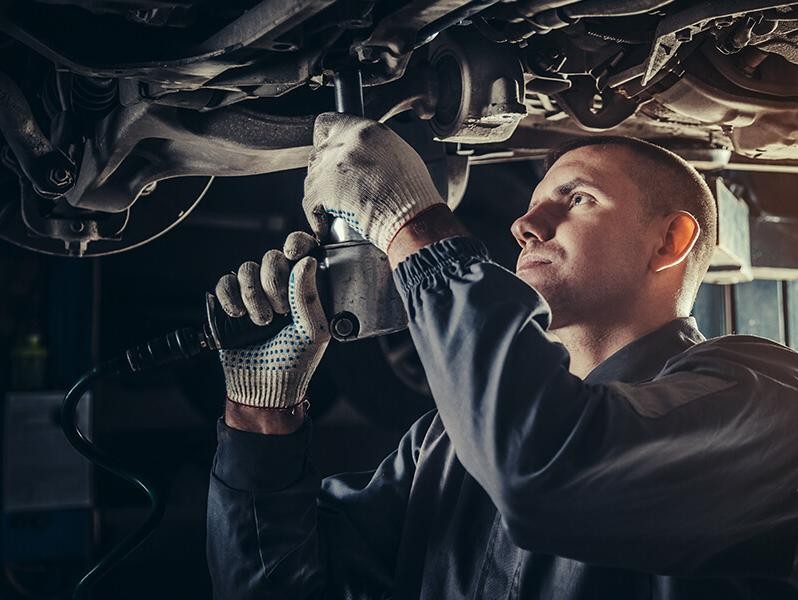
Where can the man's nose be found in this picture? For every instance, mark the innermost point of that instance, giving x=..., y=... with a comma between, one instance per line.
x=537, y=223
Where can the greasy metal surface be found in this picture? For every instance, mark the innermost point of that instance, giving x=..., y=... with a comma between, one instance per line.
x=48, y=169
x=267, y=20
x=395, y=34
x=760, y=127
x=145, y=142
x=341, y=232
x=355, y=278
x=480, y=97
x=182, y=113
x=151, y=217
x=679, y=28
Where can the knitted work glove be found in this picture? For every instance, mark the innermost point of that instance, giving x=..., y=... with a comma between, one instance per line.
x=364, y=173
x=275, y=374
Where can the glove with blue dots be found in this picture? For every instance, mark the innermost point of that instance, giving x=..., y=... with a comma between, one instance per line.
x=275, y=374
x=364, y=173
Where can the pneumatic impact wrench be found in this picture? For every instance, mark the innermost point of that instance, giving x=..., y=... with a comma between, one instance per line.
x=354, y=280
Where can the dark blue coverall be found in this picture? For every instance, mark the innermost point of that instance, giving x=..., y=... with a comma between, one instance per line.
x=670, y=472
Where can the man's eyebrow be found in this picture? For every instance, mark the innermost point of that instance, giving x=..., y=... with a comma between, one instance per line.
x=564, y=189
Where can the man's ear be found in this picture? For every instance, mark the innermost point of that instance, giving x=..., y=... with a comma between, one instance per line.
x=681, y=231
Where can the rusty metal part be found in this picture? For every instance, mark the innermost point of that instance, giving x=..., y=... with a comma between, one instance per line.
x=680, y=28
x=591, y=110
x=412, y=26
x=59, y=229
x=480, y=89
x=49, y=170
x=758, y=126
x=776, y=34
x=779, y=80
x=417, y=91
x=136, y=145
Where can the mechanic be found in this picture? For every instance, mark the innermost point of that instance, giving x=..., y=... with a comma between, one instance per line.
x=630, y=459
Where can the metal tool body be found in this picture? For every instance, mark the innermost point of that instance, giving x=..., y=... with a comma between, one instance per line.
x=356, y=286
x=354, y=278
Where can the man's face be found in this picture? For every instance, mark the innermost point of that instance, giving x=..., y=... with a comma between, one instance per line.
x=585, y=238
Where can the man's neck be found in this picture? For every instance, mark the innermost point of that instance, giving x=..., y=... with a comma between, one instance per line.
x=590, y=344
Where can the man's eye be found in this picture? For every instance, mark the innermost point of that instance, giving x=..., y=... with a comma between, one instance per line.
x=579, y=199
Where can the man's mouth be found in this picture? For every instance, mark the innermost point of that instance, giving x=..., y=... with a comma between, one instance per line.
x=531, y=262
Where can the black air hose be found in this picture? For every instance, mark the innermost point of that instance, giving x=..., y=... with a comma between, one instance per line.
x=69, y=423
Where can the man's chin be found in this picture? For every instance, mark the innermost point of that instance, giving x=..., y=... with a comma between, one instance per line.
x=533, y=279
x=550, y=291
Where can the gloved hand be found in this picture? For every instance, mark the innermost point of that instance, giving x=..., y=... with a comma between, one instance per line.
x=363, y=172
x=275, y=374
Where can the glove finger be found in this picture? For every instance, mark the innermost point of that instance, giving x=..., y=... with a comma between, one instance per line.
x=306, y=306
x=228, y=294
x=255, y=301
x=274, y=271
x=330, y=124
x=314, y=212
x=299, y=244
x=323, y=126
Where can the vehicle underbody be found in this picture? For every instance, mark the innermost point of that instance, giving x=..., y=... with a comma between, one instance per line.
x=115, y=115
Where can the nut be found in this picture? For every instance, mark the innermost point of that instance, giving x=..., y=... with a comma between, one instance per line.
x=343, y=326
x=60, y=177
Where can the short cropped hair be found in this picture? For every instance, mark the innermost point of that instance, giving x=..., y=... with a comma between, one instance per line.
x=668, y=183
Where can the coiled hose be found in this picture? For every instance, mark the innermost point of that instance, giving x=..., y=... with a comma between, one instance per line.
x=69, y=424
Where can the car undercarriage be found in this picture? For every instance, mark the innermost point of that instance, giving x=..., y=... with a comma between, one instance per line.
x=116, y=115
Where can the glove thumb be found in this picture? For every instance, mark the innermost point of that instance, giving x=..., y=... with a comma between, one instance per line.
x=303, y=297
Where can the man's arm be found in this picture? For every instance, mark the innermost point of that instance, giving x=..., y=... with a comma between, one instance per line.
x=690, y=474
x=432, y=225
x=275, y=530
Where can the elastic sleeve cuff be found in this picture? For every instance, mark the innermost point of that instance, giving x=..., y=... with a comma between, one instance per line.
x=449, y=255
x=261, y=463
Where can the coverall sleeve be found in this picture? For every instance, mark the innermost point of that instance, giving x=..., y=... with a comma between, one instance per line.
x=276, y=530
x=692, y=473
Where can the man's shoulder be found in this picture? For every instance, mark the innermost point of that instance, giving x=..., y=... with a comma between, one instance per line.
x=739, y=370
x=732, y=355
x=742, y=346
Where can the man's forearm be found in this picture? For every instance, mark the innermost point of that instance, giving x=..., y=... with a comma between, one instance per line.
x=432, y=225
x=259, y=485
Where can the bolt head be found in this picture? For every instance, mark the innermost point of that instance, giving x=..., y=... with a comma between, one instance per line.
x=60, y=177
x=343, y=327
